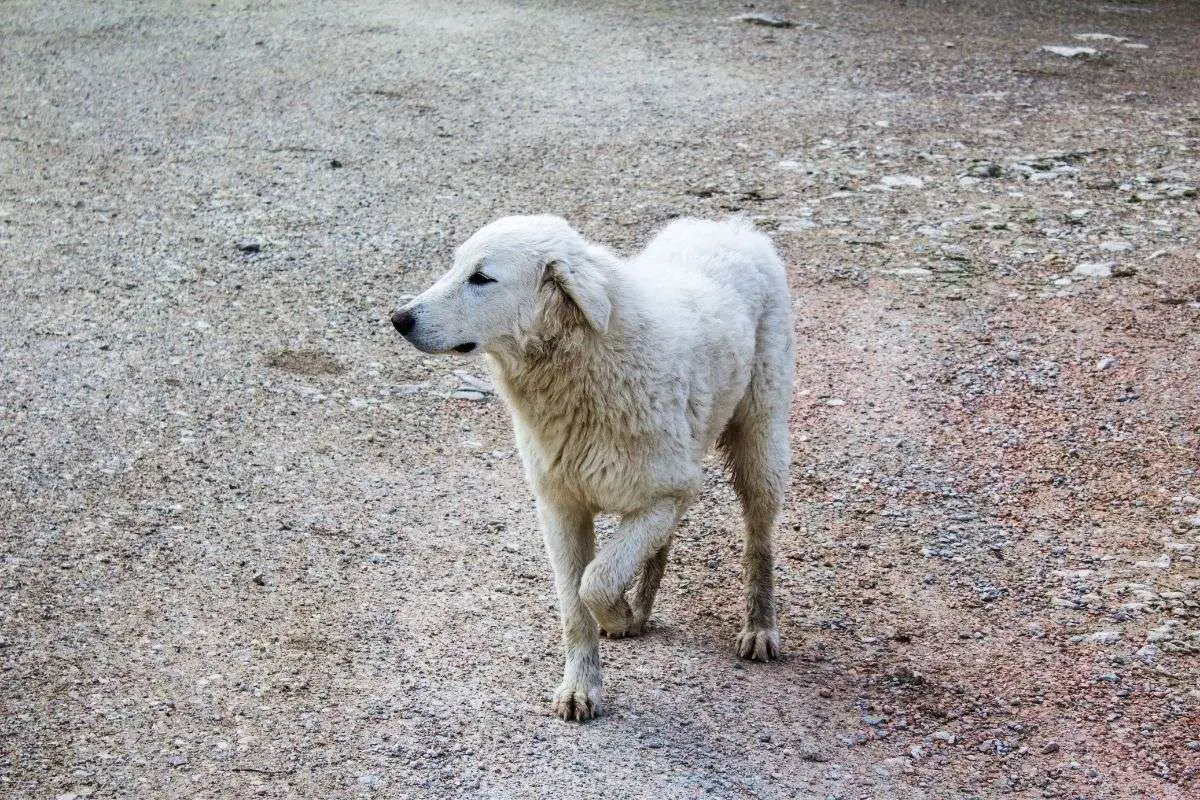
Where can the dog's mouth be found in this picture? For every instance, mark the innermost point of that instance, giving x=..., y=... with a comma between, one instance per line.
x=465, y=347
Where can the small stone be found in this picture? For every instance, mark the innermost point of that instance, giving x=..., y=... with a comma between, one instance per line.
x=177, y=760
x=1098, y=269
x=1098, y=37
x=825, y=692
x=335, y=164
x=370, y=779
x=984, y=169
x=1099, y=637
x=1070, y=52
x=1104, y=363
x=1116, y=246
x=259, y=579
x=1014, y=356
x=1147, y=654
x=249, y=246
x=910, y=272
x=812, y=754
x=766, y=20
x=1124, y=271
x=1049, y=747
x=945, y=736
x=901, y=182
x=916, y=752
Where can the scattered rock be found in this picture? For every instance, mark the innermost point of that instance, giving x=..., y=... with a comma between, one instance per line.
x=370, y=780
x=767, y=20
x=1098, y=37
x=1124, y=271
x=177, y=760
x=249, y=246
x=1070, y=52
x=910, y=272
x=335, y=164
x=813, y=754
x=1104, y=363
x=1098, y=269
x=1049, y=747
x=984, y=169
x=1099, y=637
x=901, y=182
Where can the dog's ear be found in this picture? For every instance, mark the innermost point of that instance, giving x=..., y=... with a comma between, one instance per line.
x=584, y=286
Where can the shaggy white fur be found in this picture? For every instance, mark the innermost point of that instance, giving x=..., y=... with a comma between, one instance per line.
x=621, y=375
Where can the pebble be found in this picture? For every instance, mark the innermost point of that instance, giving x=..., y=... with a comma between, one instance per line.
x=1098, y=37
x=1049, y=747
x=370, y=779
x=767, y=20
x=1099, y=637
x=177, y=760
x=945, y=736
x=1116, y=246
x=249, y=246
x=901, y=182
x=1104, y=363
x=812, y=754
x=984, y=169
x=1097, y=269
x=1070, y=52
x=910, y=272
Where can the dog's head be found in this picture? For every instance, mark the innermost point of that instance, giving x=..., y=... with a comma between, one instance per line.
x=514, y=279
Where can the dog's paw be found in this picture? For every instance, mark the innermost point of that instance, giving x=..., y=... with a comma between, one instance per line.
x=576, y=702
x=758, y=644
x=626, y=628
x=618, y=621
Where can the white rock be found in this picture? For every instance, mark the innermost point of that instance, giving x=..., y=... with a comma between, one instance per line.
x=901, y=182
x=1162, y=562
x=1069, y=52
x=1135, y=45
x=1098, y=37
x=1104, y=363
x=909, y=272
x=1099, y=637
x=1097, y=269
x=1116, y=246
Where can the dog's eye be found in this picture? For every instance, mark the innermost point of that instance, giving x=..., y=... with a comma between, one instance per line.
x=479, y=279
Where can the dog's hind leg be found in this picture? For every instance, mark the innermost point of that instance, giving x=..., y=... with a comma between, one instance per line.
x=647, y=587
x=570, y=542
x=756, y=444
x=641, y=542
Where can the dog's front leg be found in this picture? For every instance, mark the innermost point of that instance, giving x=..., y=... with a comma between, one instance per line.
x=640, y=538
x=570, y=542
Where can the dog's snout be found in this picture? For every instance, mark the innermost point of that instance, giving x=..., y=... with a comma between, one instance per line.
x=404, y=322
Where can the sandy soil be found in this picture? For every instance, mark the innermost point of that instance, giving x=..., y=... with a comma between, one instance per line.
x=255, y=546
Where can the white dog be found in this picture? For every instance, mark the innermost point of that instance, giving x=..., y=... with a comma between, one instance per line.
x=620, y=376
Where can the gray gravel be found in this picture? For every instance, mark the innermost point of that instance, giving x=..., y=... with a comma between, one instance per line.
x=254, y=546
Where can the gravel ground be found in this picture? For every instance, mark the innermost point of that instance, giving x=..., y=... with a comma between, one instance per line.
x=255, y=546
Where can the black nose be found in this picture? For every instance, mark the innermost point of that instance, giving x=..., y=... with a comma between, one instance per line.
x=404, y=322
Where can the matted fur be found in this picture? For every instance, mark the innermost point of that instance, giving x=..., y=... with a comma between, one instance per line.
x=621, y=375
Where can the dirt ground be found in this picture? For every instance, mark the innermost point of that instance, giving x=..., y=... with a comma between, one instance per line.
x=255, y=546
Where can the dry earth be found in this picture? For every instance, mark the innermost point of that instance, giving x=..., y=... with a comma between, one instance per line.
x=254, y=546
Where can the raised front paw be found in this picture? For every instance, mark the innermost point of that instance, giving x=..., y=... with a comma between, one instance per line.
x=575, y=701
x=758, y=644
